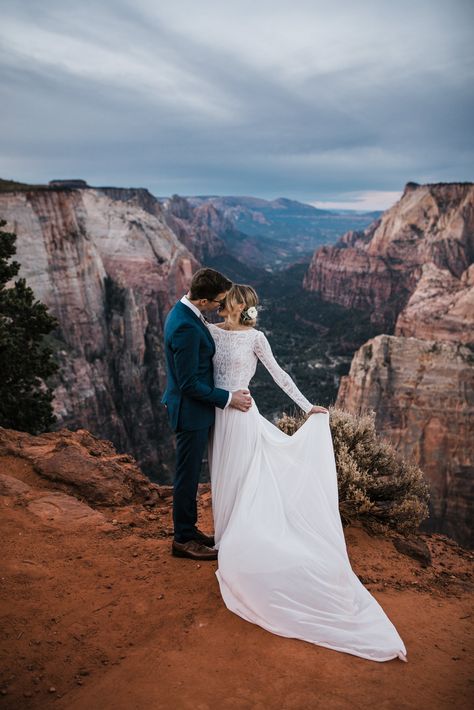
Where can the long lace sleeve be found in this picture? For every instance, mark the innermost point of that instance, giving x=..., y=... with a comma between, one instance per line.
x=264, y=353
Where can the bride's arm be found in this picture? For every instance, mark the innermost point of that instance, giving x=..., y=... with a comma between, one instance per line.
x=264, y=353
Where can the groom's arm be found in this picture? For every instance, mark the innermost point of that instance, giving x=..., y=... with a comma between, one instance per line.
x=185, y=346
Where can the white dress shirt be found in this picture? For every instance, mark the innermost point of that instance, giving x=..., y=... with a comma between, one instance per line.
x=196, y=310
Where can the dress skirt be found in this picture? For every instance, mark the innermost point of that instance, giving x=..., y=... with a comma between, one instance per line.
x=282, y=557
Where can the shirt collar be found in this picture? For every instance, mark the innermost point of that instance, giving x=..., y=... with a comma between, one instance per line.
x=190, y=305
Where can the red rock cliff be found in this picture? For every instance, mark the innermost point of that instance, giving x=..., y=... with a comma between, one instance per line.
x=378, y=269
x=419, y=381
x=109, y=268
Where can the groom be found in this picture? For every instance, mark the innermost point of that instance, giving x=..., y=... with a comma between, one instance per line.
x=190, y=398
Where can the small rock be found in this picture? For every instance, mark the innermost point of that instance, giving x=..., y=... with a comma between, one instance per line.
x=198, y=566
x=114, y=521
x=413, y=547
x=160, y=596
x=456, y=658
x=52, y=689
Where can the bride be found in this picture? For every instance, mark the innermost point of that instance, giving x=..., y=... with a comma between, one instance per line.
x=282, y=558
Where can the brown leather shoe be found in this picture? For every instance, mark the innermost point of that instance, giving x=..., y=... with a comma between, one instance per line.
x=193, y=549
x=204, y=539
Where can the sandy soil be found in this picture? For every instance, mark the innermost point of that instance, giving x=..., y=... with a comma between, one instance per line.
x=101, y=615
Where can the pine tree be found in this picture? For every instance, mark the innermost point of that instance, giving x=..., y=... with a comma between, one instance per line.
x=25, y=360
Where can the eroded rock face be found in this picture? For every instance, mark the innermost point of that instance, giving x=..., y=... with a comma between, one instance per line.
x=60, y=509
x=109, y=268
x=378, y=269
x=79, y=464
x=209, y=234
x=412, y=270
x=422, y=392
x=199, y=228
x=441, y=307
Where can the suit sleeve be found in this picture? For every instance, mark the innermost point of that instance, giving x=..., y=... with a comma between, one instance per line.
x=185, y=347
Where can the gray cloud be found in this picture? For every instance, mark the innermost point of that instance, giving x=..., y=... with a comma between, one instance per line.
x=302, y=100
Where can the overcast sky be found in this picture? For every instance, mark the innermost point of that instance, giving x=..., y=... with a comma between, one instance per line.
x=335, y=103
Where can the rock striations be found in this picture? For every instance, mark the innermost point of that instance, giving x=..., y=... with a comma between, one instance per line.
x=413, y=271
x=109, y=267
x=198, y=228
x=378, y=269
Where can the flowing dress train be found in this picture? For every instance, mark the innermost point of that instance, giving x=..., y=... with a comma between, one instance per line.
x=282, y=557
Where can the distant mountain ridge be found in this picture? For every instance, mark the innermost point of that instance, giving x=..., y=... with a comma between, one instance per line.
x=294, y=228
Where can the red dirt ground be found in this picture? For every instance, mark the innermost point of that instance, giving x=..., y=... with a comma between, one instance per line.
x=101, y=616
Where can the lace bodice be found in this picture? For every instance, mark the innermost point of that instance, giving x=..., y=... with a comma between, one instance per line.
x=235, y=362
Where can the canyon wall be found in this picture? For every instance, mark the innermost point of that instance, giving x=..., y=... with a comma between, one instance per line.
x=419, y=284
x=422, y=392
x=109, y=268
x=213, y=238
x=378, y=269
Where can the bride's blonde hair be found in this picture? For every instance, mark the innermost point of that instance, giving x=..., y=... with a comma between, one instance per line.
x=241, y=293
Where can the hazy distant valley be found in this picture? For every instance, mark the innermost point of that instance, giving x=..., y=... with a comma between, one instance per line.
x=273, y=234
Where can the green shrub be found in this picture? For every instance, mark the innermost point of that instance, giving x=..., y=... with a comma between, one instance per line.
x=376, y=486
x=26, y=361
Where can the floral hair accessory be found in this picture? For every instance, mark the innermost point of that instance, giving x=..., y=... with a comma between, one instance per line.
x=250, y=313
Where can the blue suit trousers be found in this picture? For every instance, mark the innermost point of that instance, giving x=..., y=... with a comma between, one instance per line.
x=190, y=449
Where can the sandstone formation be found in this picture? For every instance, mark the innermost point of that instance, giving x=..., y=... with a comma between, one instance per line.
x=53, y=508
x=79, y=464
x=441, y=307
x=109, y=267
x=413, y=271
x=198, y=228
x=211, y=236
x=378, y=269
x=422, y=392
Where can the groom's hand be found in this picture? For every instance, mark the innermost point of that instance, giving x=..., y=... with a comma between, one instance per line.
x=241, y=399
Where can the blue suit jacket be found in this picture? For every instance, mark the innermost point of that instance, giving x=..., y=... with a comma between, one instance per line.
x=190, y=395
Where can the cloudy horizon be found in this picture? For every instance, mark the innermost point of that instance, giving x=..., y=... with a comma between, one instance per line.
x=338, y=105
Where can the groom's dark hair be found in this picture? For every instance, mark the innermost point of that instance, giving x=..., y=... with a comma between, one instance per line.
x=207, y=283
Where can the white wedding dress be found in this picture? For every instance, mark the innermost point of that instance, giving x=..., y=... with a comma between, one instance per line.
x=282, y=558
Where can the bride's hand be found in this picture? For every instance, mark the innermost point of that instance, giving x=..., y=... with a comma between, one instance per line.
x=316, y=408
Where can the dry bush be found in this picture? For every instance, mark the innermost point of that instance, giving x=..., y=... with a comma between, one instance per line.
x=376, y=486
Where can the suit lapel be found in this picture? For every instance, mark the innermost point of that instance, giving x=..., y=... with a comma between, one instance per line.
x=188, y=313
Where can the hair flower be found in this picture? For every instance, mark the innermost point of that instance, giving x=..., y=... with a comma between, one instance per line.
x=251, y=312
